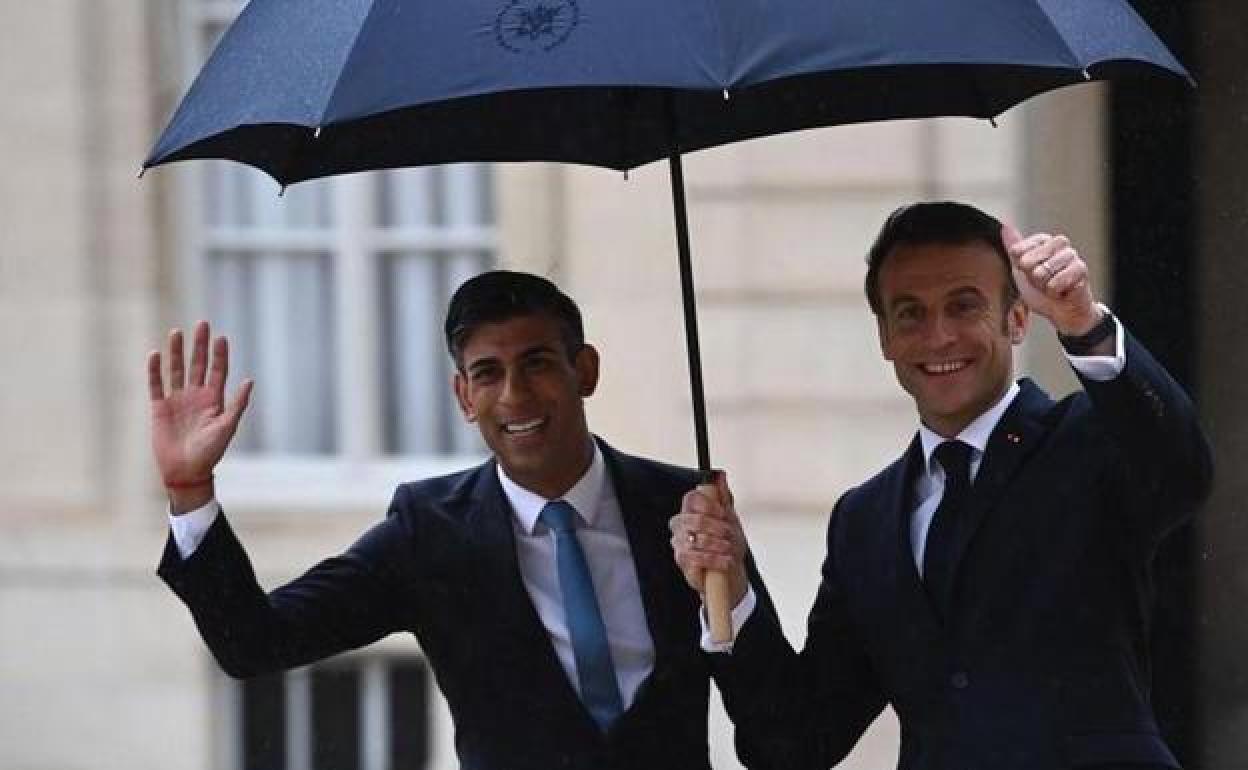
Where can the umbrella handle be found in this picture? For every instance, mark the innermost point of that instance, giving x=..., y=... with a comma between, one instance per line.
x=716, y=592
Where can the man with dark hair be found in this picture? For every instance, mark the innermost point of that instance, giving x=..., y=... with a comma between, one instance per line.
x=539, y=584
x=994, y=584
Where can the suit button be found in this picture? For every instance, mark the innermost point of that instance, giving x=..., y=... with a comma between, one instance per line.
x=959, y=680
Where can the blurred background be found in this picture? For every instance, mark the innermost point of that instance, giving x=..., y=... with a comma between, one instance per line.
x=333, y=296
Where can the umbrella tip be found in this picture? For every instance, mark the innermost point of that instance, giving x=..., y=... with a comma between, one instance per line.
x=282, y=192
x=625, y=175
x=142, y=171
x=316, y=133
x=726, y=96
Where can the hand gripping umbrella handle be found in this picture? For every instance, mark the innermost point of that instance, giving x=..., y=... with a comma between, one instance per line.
x=716, y=592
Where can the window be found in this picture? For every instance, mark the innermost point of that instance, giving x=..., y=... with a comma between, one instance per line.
x=355, y=713
x=332, y=294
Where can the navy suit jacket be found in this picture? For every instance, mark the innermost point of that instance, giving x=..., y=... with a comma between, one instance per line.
x=1044, y=660
x=442, y=565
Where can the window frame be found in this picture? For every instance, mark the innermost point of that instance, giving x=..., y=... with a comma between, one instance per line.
x=359, y=472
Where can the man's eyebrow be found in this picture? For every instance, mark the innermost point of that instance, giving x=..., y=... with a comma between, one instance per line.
x=539, y=349
x=481, y=363
x=961, y=290
x=544, y=348
x=902, y=300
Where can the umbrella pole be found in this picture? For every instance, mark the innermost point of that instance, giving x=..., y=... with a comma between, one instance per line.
x=716, y=591
x=691, y=315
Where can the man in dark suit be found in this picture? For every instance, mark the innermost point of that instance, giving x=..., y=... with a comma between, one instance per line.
x=994, y=584
x=539, y=584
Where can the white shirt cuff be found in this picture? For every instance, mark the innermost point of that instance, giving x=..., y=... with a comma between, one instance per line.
x=190, y=528
x=740, y=614
x=1103, y=368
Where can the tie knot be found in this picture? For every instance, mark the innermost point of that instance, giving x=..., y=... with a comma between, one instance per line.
x=559, y=515
x=955, y=458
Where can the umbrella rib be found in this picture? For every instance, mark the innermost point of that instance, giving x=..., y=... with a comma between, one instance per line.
x=333, y=91
x=1057, y=31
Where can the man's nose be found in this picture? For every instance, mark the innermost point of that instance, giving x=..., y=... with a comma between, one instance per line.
x=515, y=386
x=938, y=331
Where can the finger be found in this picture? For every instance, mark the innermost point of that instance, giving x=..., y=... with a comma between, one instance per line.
x=695, y=576
x=1062, y=259
x=697, y=501
x=199, y=353
x=702, y=560
x=1043, y=252
x=1010, y=235
x=155, y=384
x=1030, y=243
x=177, y=366
x=707, y=543
x=725, y=492
x=238, y=405
x=220, y=369
x=1068, y=279
x=707, y=526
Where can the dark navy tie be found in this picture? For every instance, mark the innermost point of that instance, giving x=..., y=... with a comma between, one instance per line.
x=942, y=535
x=599, y=691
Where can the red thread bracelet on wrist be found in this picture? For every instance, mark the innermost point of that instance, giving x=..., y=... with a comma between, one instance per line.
x=189, y=484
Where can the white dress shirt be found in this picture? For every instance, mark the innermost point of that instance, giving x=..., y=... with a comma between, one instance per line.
x=930, y=484
x=604, y=539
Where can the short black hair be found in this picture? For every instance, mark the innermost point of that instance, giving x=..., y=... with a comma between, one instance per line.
x=945, y=222
x=500, y=295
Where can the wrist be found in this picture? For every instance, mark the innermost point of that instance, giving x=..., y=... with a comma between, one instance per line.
x=1093, y=339
x=187, y=496
x=1083, y=323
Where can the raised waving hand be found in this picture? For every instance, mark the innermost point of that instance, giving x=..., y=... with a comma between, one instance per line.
x=191, y=422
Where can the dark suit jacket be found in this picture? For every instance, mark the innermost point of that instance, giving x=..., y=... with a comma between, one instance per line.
x=442, y=565
x=1044, y=660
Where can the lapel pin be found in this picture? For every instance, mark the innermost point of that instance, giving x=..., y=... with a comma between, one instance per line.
x=1013, y=438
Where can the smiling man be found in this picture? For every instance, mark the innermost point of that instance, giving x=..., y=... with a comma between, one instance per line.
x=994, y=584
x=539, y=584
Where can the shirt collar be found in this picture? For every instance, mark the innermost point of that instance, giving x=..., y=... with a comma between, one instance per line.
x=975, y=434
x=585, y=495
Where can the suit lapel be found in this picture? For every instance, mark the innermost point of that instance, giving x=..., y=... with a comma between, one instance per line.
x=1020, y=431
x=641, y=501
x=898, y=507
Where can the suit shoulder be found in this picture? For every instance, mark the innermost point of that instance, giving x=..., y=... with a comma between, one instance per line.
x=654, y=471
x=447, y=494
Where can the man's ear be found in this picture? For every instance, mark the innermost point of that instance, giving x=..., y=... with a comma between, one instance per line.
x=881, y=330
x=1016, y=319
x=460, y=383
x=586, y=365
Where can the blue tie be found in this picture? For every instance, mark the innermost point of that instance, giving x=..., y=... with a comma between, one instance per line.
x=594, y=669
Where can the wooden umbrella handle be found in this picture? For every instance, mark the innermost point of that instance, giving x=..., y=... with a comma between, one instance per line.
x=716, y=591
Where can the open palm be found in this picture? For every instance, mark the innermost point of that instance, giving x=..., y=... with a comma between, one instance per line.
x=191, y=423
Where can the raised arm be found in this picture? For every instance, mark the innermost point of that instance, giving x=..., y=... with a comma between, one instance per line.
x=1167, y=465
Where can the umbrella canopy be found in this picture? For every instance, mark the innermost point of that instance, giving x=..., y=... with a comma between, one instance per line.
x=310, y=88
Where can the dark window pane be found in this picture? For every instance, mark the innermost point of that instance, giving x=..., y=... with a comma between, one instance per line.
x=335, y=718
x=409, y=715
x=264, y=723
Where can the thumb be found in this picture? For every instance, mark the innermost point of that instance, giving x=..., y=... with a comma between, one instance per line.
x=1010, y=235
x=721, y=486
x=238, y=405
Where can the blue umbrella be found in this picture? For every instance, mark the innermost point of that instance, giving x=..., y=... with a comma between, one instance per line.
x=310, y=88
